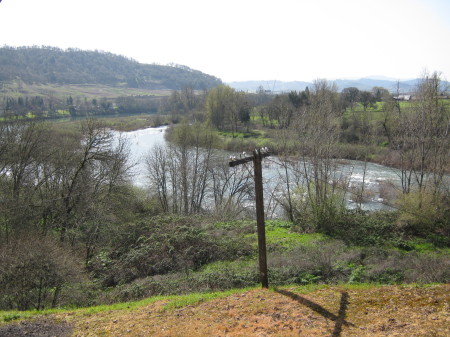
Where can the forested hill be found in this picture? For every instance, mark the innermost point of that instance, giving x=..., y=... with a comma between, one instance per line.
x=74, y=66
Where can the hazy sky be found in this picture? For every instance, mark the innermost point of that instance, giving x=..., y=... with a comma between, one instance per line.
x=247, y=39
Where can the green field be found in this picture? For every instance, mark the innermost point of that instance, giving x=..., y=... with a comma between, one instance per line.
x=88, y=91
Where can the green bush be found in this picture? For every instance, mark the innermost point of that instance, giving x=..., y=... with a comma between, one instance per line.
x=180, y=283
x=424, y=213
x=162, y=245
x=367, y=228
x=388, y=276
x=358, y=273
x=317, y=208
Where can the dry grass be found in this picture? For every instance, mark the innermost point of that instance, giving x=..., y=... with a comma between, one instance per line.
x=328, y=311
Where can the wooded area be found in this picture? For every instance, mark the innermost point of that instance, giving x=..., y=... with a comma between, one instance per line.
x=74, y=66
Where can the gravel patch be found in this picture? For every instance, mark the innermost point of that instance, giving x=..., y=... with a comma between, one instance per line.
x=36, y=328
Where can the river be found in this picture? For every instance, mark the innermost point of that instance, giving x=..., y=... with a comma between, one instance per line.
x=141, y=142
x=377, y=178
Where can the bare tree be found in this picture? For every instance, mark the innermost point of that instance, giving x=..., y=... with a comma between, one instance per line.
x=232, y=188
x=421, y=137
x=158, y=175
x=78, y=177
x=351, y=96
x=317, y=134
x=282, y=111
x=179, y=174
x=22, y=147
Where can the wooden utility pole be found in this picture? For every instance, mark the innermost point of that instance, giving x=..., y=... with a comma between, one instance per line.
x=257, y=157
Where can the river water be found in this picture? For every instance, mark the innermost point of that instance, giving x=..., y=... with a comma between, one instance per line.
x=141, y=142
x=376, y=177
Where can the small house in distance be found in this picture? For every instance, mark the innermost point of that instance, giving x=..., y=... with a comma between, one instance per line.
x=403, y=97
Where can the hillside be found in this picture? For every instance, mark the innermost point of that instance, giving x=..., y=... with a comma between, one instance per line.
x=292, y=311
x=49, y=65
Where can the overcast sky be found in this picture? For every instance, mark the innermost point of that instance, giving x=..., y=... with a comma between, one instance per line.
x=238, y=40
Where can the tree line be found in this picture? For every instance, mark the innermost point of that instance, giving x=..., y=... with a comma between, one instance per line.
x=51, y=107
x=178, y=103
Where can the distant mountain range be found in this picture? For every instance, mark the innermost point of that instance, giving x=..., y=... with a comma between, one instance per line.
x=49, y=65
x=362, y=84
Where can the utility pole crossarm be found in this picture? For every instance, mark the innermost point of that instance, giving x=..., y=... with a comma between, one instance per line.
x=264, y=152
x=240, y=161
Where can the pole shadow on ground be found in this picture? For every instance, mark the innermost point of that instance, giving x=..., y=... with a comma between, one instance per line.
x=339, y=319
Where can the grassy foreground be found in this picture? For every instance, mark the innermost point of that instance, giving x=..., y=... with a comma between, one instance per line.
x=357, y=310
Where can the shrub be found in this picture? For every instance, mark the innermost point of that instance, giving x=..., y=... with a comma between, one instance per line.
x=323, y=261
x=424, y=213
x=317, y=209
x=427, y=268
x=163, y=245
x=367, y=228
x=391, y=266
x=34, y=272
x=179, y=283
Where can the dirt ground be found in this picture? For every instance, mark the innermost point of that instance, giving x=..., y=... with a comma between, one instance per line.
x=36, y=328
x=331, y=311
